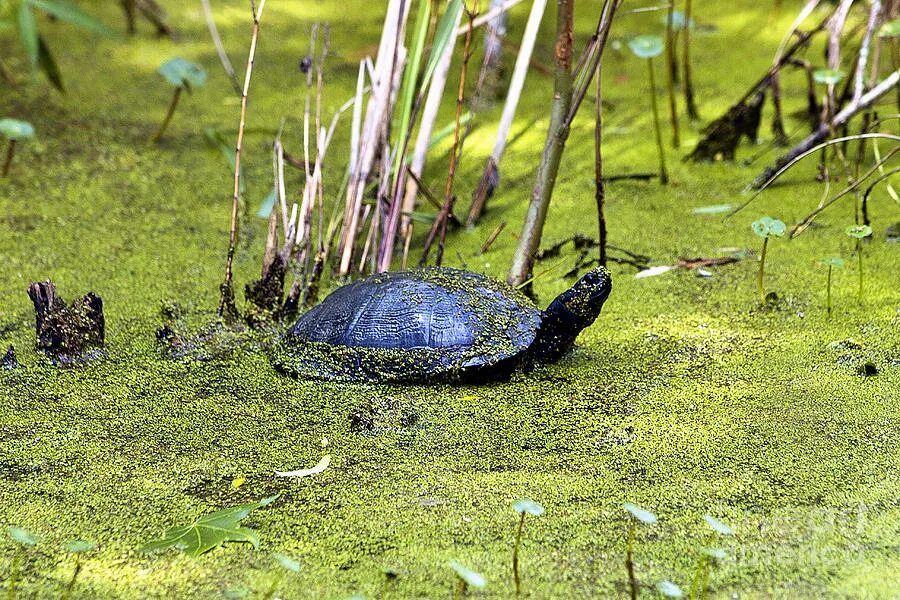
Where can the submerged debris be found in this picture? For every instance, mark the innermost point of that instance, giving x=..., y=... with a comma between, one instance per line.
x=67, y=334
x=9, y=361
x=212, y=341
x=722, y=136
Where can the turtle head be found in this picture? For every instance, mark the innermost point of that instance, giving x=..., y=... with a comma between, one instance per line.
x=571, y=311
x=585, y=299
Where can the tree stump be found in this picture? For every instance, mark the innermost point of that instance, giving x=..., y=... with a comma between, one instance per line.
x=67, y=334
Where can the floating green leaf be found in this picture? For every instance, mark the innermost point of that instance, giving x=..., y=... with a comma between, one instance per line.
x=68, y=12
x=768, y=227
x=669, y=589
x=472, y=578
x=268, y=203
x=828, y=76
x=714, y=209
x=183, y=73
x=22, y=536
x=859, y=231
x=679, y=20
x=524, y=505
x=211, y=530
x=715, y=553
x=643, y=515
x=718, y=526
x=14, y=129
x=890, y=29
x=287, y=562
x=646, y=46
x=832, y=261
x=79, y=546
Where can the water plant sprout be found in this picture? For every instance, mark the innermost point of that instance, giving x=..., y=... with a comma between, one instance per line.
x=184, y=75
x=76, y=547
x=830, y=78
x=465, y=578
x=831, y=262
x=646, y=517
x=523, y=507
x=708, y=557
x=289, y=565
x=648, y=47
x=858, y=233
x=13, y=130
x=669, y=589
x=22, y=538
x=765, y=228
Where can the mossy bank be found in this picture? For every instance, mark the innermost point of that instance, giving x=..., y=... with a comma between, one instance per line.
x=684, y=397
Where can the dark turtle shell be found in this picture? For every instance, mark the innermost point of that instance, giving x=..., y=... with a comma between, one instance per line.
x=410, y=326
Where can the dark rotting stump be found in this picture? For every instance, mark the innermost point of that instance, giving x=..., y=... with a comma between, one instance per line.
x=67, y=334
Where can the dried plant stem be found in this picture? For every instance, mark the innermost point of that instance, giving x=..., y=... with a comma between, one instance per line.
x=10, y=150
x=440, y=223
x=629, y=562
x=558, y=132
x=599, y=186
x=490, y=177
x=670, y=76
x=839, y=120
x=227, y=308
x=384, y=82
x=220, y=48
x=663, y=174
x=690, y=105
x=760, y=273
x=515, y=556
x=423, y=139
x=492, y=238
x=169, y=113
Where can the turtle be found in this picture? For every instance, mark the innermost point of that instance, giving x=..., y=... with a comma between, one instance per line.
x=435, y=324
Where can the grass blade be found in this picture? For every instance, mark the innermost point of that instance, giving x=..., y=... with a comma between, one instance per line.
x=28, y=33
x=64, y=11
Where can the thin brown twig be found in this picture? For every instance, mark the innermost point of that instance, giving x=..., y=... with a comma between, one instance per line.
x=227, y=308
x=440, y=224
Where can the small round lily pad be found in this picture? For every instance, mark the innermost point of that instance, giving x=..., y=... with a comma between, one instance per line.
x=524, y=505
x=859, y=231
x=22, y=536
x=14, y=129
x=679, y=20
x=646, y=46
x=718, y=526
x=287, y=562
x=472, y=579
x=669, y=589
x=641, y=514
x=828, y=76
x=716, y=553
x=183, y=73
x=79, y=546
x=768, y=227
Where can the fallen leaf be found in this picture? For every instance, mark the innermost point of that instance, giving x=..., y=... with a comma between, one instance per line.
x=321, y=466
x=211, y=530
x=653, y=271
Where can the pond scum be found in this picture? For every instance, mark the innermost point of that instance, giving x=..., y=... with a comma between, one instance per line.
x=697, y=441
